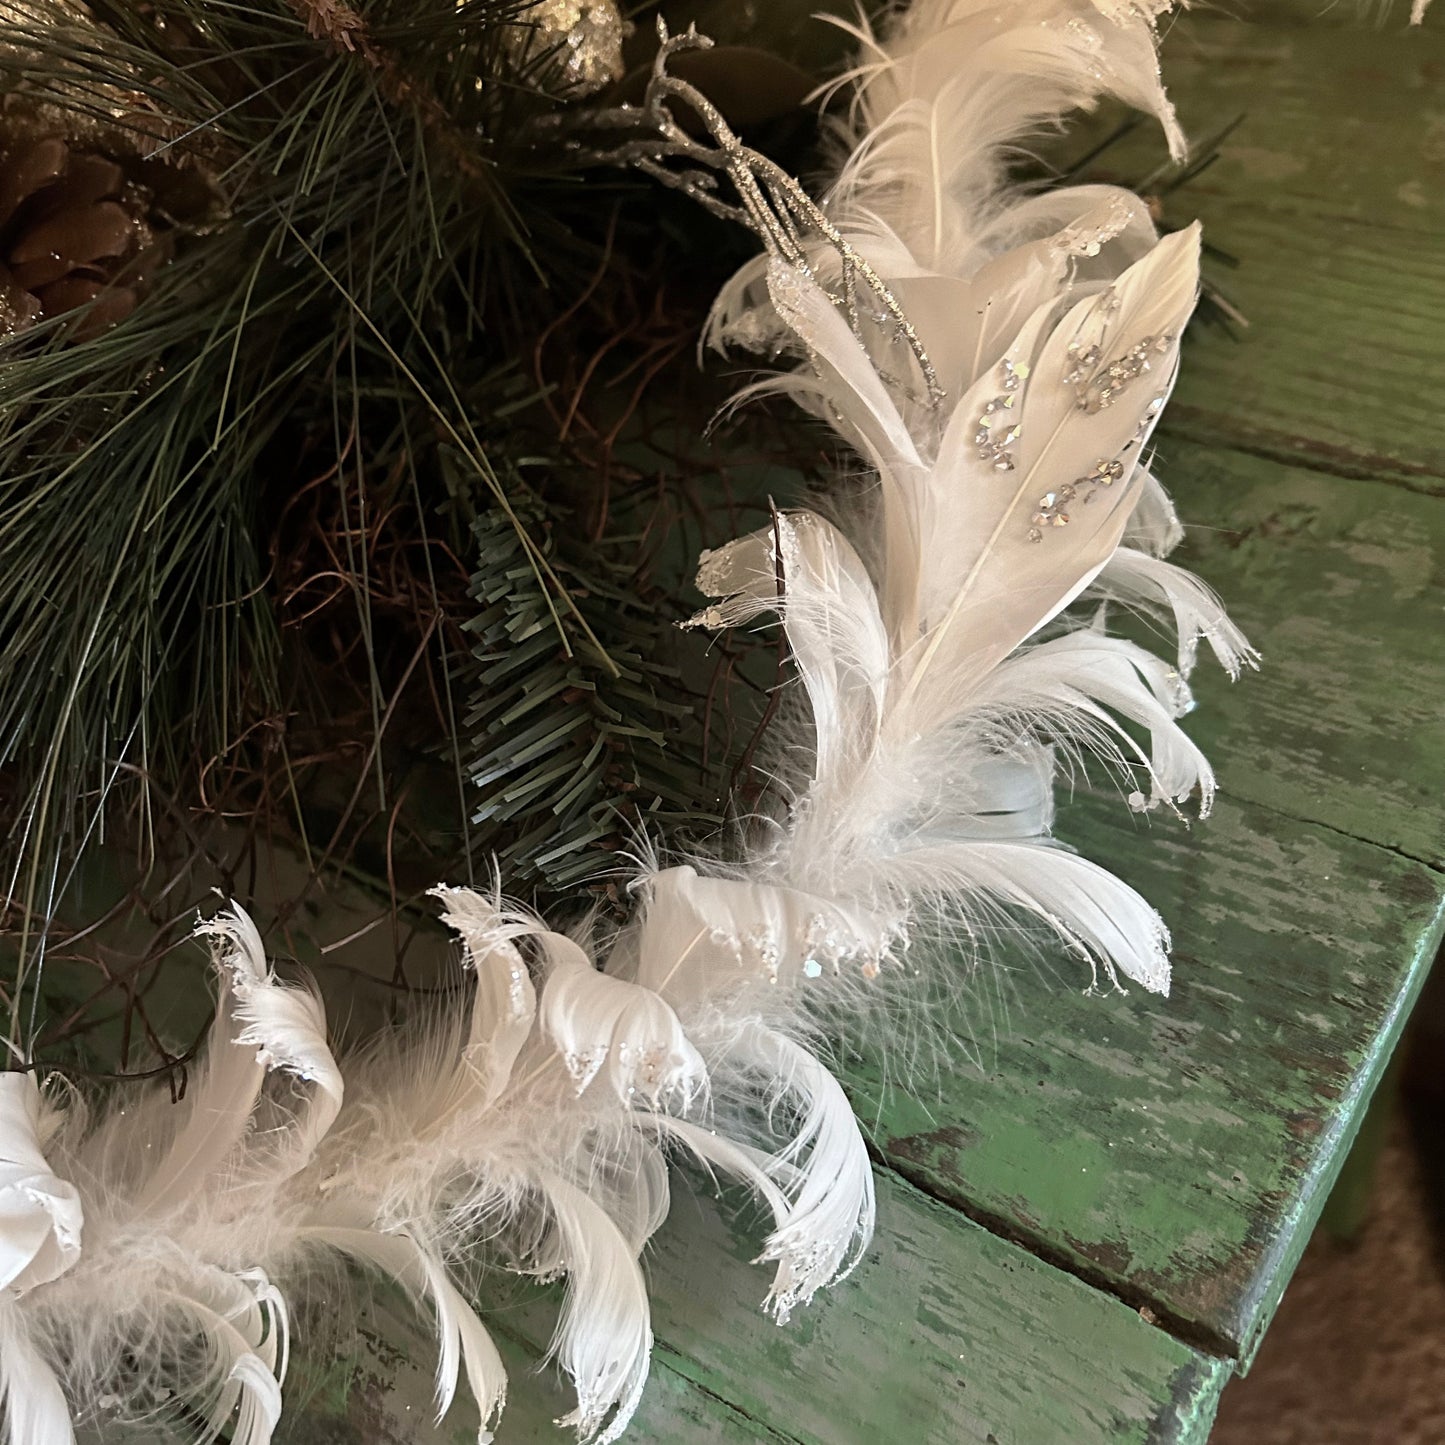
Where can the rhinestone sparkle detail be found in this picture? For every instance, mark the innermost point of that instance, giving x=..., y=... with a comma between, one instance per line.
x=998, y=427
x=1098, y=383
x=1051, y=509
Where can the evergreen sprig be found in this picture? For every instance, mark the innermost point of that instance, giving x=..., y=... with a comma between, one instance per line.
x=573, y=749
x=368, y=182
x=368, y=417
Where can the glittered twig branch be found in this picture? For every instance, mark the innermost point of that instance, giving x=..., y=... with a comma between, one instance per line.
x=770, y=202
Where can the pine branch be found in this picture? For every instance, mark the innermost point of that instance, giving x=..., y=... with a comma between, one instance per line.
x=140, y=465
x=238, y=526
x=572, y=758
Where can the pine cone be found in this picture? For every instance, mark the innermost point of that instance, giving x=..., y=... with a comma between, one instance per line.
x=74, y=228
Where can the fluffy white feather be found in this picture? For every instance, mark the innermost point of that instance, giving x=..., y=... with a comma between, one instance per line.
x=35, y=1407
x=839, y=642
x=1051, y=326
x=42, y=1217
x=463, y=1341
x=505, y=1003
x=186, y=1211
x=598, y=1022
x=604, y=1339
x=704, y=936
x=240, y=1325
x=1147, y=583
x=832, y=1213
x=994, y=73
x=1005, y=412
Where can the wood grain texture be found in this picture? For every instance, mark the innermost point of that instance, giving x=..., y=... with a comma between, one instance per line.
x=1338, y=582
x=1331, y=194
x=945, y=1335
x=1178, y=1150
x=378, y=1390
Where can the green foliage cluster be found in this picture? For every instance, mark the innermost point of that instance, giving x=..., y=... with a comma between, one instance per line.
x=322, y=514
x=369, y=528
x=595, y=743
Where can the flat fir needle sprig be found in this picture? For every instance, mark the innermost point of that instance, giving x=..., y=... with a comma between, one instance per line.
x=373, y=159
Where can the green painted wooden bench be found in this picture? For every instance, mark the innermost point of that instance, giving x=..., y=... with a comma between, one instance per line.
x=1085, y=1227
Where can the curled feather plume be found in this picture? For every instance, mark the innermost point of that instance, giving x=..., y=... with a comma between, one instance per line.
x=998, y=361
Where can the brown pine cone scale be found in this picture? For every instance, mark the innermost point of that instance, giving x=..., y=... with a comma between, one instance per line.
x=73, y=230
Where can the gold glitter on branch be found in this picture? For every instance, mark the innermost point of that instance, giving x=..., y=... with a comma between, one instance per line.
x=578, y=41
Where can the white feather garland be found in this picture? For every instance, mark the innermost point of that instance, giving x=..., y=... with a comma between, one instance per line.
x=1003, y=392
x=35, y=1408
x=41, y=1216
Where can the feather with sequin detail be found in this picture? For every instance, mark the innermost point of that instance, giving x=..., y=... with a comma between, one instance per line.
x=949, y=631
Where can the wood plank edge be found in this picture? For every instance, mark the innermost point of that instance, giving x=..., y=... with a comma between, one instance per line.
x=1279, y=1268
x=1195, y=1391
x=1199, y=426
x=1240, y=1347
x=683, y=1368
x=1193, y=1334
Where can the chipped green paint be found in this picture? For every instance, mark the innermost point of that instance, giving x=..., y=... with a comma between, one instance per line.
x=380, y=1392
x=1177, y=1150
x=1331, y=193
x=945, y=1335
x=1337, y=581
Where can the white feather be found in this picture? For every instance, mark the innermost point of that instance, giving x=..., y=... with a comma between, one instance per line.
x=35, y=1408
x=41, y=1226
x=955, y=86
x=717, y=1151
x=706, y=935
x=1091, y=910
x=982, y=581
x=463, y=1341
x=604, y=1338
x=505, y=1002
x=1154, y=526
x=1079, y=683
x=1140, y=580
x=240, y=1390
x=598, y=1022
x=41, y=1216
x=832, y=1212
x=261, y=1025
x=804, y=569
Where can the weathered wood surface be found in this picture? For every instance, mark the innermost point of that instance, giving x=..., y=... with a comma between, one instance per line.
x=1175, y=1150
x=1178, y=1152
x=1338, y=582
x=945, y=1335
x=1331, y=193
